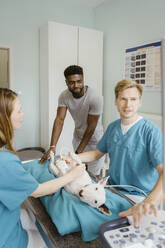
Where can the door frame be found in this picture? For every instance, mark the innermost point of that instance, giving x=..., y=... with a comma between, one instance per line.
x=11, y=65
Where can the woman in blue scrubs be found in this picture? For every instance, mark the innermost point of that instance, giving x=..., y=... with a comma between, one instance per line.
x=15, y=183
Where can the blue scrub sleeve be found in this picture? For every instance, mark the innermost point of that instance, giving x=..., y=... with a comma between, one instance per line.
x=155, y=147
x=102, y=145
x=16, y=184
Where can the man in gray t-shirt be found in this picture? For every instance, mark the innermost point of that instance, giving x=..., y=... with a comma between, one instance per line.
x=85, y=106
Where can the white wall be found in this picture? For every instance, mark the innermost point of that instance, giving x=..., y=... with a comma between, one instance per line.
x=126, y=24
x=19, y=29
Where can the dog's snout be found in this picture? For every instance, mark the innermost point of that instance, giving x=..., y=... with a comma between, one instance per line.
x=80, y=193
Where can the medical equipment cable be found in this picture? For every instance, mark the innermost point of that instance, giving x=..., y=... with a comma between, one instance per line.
x=126, y=186
x=113, y=190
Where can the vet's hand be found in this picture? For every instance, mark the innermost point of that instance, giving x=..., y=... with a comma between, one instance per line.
x=139, y=210
x=77, y=171
x=46, y=156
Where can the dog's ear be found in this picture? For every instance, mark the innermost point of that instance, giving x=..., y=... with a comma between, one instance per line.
x=103, y=181
x=104, y=209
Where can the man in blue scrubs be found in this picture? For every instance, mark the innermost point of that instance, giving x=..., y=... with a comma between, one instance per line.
x=134, y=145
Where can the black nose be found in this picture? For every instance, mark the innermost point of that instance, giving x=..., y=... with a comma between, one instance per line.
x=80, y=193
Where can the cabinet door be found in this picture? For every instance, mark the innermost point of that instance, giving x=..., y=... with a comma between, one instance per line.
x=58, y=49
x=62, y=53
x=90, y=56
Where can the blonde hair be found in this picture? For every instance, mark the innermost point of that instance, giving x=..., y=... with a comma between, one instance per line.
x=7, y=98
x=126, y=84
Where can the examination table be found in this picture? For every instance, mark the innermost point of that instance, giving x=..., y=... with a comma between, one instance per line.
x=48, y=229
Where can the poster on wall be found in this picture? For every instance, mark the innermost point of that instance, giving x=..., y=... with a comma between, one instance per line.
x=143, y=65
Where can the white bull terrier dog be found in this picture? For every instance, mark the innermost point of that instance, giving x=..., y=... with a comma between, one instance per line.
x=83, y=187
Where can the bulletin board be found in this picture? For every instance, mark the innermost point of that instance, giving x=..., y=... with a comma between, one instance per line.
x=143, y=65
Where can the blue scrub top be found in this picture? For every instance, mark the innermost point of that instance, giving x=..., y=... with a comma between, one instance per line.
x=134, y=155
x=16, y=185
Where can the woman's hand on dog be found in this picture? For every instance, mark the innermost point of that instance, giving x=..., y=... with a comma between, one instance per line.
x=77, y=171
x=46, y=155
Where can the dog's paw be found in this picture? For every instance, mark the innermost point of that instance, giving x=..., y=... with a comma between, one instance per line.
x=51, y=154
x=62, y=166
x=75, y=157
x=53, y=169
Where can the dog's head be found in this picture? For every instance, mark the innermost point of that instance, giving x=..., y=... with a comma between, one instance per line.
x=94, y=195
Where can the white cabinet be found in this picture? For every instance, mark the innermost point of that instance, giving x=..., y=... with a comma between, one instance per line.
x=62, y=45
x=90, y=56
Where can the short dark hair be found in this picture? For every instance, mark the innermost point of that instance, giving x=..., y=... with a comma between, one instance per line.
x=72, y=70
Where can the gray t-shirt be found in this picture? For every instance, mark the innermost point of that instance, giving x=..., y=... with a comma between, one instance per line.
x=89, y=104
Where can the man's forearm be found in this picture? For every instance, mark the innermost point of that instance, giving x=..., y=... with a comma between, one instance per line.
x=86, y=138
x=91, y=126
x=90, y=156
x=57, y=129
x=156, y=194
